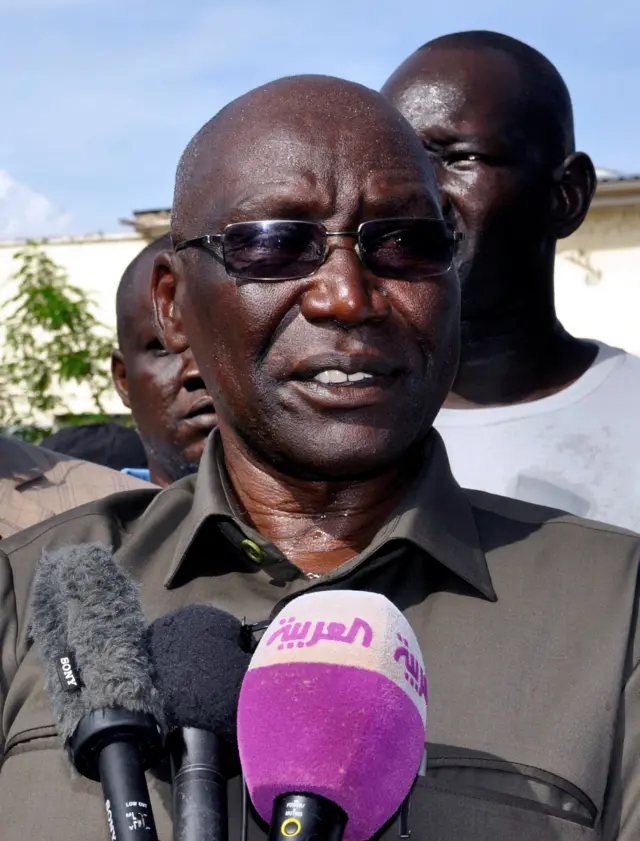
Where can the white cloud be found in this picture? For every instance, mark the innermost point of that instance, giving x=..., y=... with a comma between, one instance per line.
x=27, y=214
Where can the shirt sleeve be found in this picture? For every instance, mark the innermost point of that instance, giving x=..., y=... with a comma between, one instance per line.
x=8, y=641
x=621, y=812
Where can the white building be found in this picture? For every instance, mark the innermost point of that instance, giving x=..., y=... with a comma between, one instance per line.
x=597, y=269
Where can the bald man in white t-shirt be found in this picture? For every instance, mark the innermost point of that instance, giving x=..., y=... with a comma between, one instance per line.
x=534, y=413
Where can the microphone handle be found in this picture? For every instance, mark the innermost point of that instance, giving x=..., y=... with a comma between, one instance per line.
x=306, y=817
x=126, y=794
x=200, y=811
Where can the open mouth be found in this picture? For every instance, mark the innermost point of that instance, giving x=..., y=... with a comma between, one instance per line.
x=336, y=377
x=203, y=410
x=341, y=370
x=339, y=380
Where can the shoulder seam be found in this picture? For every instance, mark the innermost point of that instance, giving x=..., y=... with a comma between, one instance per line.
x=69, y=518
x=560, y=520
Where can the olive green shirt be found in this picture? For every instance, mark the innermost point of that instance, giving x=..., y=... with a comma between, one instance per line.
x=527, y=619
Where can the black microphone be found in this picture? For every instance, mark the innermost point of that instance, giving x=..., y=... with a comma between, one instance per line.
x=93, y=641
x=200, y=663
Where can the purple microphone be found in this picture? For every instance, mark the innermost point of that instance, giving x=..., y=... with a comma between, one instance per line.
x=332, y=717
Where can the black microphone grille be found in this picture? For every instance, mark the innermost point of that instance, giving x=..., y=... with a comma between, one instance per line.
x=200, y=666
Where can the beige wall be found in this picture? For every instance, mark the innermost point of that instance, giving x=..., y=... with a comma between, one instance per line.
x=597, y=278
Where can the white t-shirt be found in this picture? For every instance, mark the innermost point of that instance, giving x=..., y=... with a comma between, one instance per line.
x=578, y=450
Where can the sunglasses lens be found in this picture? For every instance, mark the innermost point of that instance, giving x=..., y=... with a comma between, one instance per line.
x=407, y=249
x=273, y=250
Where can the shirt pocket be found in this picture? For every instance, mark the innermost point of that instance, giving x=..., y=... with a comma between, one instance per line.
x=492, y=800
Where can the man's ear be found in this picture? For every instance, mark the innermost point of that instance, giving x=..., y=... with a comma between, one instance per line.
x=574, y=187
x=119, y=375
x=165, y=298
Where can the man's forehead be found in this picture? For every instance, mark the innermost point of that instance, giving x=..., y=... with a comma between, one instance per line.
x=288, y=166
x=316, y=147
x=469, y=84
x=301, y=128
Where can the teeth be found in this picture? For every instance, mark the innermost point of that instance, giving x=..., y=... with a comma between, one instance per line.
x=335, y=376
x=331, y=376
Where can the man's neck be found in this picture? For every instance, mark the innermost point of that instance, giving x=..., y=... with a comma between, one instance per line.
x=167, y=467
x=517, y=361
x=317, y=525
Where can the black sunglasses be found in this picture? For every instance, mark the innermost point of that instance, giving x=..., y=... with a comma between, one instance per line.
x=279, y=249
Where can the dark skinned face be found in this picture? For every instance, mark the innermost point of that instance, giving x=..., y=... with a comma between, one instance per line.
x=295, y=160
x=468, y=109
x=165, y=393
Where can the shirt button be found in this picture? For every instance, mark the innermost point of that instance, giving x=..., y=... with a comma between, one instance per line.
x=252, y=551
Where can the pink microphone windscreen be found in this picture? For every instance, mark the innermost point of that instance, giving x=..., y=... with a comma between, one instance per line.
x=335, y=703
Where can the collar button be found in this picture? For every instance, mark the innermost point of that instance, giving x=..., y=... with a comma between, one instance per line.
x=252, y=551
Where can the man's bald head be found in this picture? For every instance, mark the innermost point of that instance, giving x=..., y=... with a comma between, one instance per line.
x=262, y=126
x=543, y=100
x=495, y=118
x=137, y=273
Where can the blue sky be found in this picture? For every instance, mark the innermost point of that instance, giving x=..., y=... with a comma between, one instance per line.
x=99, y=97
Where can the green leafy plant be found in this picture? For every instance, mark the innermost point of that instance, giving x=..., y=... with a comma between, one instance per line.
x=51, y=340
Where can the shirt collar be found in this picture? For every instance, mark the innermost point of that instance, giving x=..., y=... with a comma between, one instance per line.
x=209, y=500
x=435, y=515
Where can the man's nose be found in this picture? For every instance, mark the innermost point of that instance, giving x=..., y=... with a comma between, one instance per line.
x=191, y=379
x=342, y=290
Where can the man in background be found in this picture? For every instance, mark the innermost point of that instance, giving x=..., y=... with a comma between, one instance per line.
x=36, y=484
x=170, y=405
x=534, y=412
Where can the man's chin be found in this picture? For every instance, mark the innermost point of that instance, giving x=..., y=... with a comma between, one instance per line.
x=340, y=455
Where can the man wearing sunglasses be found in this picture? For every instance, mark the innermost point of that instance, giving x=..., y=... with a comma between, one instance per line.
x=534, y=413
x=311, y=277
